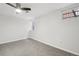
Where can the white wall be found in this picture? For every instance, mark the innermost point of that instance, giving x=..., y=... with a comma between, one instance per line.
x=53, y=30
x=13, y=28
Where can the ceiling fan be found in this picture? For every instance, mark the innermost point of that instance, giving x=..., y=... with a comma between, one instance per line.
x=18, y=7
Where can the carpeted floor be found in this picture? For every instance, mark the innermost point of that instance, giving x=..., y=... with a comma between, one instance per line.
x=30, y=47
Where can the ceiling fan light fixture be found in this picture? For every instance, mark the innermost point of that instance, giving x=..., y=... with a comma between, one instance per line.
x=18, y=10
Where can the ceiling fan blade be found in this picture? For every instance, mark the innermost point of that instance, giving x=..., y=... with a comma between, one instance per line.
x=26, y=9
x=11, y=5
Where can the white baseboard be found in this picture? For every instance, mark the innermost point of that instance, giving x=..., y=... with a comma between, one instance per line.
x=11, y=41
x=75, y=53
x=45, y=43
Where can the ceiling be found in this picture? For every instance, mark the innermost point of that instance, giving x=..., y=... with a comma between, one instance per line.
x=38, y=9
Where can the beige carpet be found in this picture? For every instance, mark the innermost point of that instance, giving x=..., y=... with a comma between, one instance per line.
x=30, y=47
